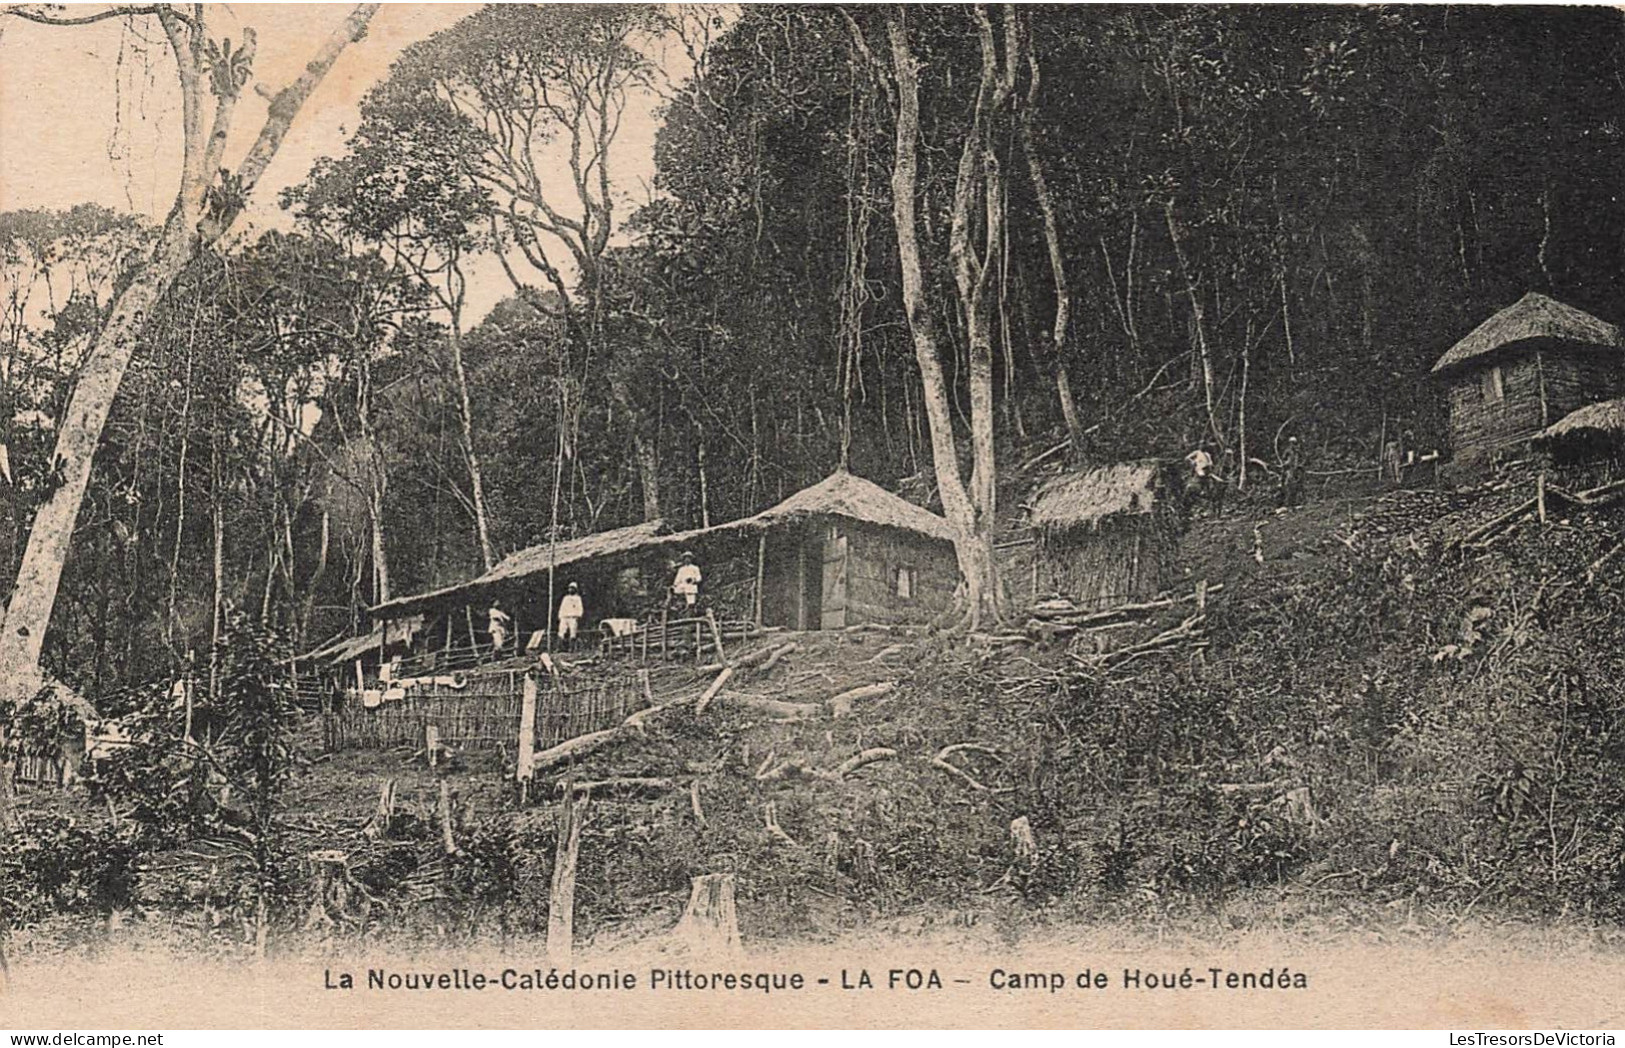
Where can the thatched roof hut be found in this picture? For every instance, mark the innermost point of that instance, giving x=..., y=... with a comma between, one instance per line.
x=1591, y=438
x=1088, y=499
x=843, y=494
x=1534, y=317
x=1108, y=535
x=1603, y=419
x=1525, y=367
x=842, y=551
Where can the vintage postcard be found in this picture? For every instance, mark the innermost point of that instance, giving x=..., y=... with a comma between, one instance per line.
x=839, y=516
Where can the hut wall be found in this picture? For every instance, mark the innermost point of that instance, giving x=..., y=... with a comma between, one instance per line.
x=1124, y=561
x=875, y=554
x=1479, y=426
x=1539, y=387
x=1574, y=380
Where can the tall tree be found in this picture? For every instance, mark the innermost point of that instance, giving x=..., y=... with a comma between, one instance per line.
x=211, y=75
x=533, y=97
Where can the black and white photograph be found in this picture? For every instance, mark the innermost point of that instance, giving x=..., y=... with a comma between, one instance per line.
x=788, y=516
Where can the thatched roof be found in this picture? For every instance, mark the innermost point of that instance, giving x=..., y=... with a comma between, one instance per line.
x=1090, y=498
x=1606, y=419
x=401, y=631
x=531, y=561
x=1534, y=316
x=843, y=494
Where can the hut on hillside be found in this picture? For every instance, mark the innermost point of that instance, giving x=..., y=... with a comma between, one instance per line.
x=846, y=551
x=1588, y=445
x=842, y=552
x=1525, y=368
x=1108, y=535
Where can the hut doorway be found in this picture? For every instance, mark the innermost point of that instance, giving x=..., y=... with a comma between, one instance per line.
x=832, y=603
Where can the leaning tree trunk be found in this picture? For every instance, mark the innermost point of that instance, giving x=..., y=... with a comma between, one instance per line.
x=188, y=229
x=1057, y=264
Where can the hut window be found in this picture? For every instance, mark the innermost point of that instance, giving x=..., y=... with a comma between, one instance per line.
x=1490, y=383
x=905, y=583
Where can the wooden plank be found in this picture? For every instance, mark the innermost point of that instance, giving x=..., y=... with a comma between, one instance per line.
x=561, y=897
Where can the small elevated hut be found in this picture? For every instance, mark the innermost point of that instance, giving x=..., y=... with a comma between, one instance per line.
x=1525, y=368
x=1109, y=535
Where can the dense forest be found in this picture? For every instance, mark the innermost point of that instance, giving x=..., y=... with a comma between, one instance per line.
x=928, y=244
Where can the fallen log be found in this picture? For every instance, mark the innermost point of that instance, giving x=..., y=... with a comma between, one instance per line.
x=789, y=769
x=582, y=745
x=863, y=759
x=941, y=762
x=1596, y=565
x=885, y=653
x=1490, y=527
x=765, y=657
x=711, y=692
x=1122, y=611
x=841, y=705
x=778, y=709
x=629, y=784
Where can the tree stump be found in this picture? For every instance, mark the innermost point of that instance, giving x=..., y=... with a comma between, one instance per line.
x=710, y=921
x=1026, y=845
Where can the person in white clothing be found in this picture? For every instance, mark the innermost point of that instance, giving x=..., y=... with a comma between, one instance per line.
x=498, y=623
x=570, y=613
x=687, y=583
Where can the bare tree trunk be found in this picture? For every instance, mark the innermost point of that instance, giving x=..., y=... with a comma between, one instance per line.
x=643, y=453
x=974, y=551
x=187, y=229
x=1057, y=265
x=1198, y=317
x=465, y=438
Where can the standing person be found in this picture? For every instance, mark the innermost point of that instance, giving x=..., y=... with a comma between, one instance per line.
x=570, y=614
x=1291, y=474
x=497, y=624
x=1392, y=462
x=687, y=582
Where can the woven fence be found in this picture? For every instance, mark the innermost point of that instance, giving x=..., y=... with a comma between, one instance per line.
x=484, y=715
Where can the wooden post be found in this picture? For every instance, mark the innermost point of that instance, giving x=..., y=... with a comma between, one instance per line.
x=1540, y=496
x=716, y=635
x=447, y=841
x=761, y=570
x=664, y=636
x=527, y=731
x=1201, y=596
x=431, y=744
x=710, y=921
x=561, y=898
